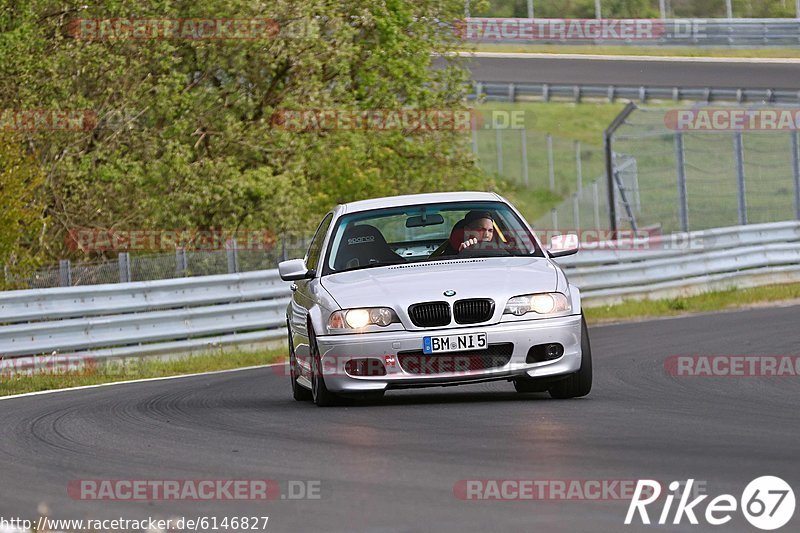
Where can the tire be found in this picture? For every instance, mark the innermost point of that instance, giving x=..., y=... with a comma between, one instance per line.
x=526, y=385
x=320, y=394
x=580, y=383
x=299, y=393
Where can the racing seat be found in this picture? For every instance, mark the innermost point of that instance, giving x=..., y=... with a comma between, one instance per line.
x=362, y=245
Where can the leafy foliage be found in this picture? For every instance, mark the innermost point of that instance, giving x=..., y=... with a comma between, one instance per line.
x=185, y=137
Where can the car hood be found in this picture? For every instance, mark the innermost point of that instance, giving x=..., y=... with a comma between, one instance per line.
x=403, y=285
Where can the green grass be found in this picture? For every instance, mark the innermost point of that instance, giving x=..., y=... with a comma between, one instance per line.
x=132, y=368
x=707, y=302
x=637, y=50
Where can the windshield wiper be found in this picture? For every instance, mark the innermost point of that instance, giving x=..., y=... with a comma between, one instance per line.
x=373, y=264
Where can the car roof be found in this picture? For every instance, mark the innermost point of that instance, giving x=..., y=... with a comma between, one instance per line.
x=416, y=199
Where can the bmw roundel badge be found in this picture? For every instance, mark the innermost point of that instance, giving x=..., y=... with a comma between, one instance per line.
x=449, y=293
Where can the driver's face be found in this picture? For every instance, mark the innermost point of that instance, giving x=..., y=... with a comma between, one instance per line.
x=482, y=229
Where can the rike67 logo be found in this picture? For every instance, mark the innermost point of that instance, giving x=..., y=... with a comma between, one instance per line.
x=767, y=503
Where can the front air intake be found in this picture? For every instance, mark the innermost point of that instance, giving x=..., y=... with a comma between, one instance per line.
x=430, y=314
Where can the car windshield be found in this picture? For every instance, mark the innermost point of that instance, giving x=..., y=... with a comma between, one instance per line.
x=430, y=232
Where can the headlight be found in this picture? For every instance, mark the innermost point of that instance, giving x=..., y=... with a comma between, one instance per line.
x=360, y=318
x=546, y=303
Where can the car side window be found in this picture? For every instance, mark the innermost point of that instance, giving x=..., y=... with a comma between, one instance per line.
x=315, y=248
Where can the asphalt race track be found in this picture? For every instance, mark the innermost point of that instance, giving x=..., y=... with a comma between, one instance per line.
x=391, y=466
x=649, y=73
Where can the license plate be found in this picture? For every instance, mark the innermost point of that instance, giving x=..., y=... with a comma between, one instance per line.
x=454, y=343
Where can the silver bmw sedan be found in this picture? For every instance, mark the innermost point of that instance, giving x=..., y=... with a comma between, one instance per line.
x=432, y=290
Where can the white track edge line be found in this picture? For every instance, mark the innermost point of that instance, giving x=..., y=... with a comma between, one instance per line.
x=143, y=380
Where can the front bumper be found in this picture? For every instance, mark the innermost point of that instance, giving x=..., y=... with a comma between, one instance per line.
x=337, y=350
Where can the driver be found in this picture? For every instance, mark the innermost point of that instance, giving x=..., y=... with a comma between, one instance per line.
x=478, y=227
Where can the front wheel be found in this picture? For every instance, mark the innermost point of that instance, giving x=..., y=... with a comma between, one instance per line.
x=580, y=383
x=319, y=392
x=299, y=393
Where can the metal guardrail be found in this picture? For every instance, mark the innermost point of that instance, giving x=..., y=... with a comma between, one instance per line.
x=142, y=318
x=196, y=314
x=666, y=32
x=688, y=263
x=513, y=92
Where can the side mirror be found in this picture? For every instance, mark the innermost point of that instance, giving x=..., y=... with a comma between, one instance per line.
x=293, y=270
x=562, y=245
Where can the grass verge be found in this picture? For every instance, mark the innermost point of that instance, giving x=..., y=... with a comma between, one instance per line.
x=636, y=50
x=701, y=303
x=132, y=368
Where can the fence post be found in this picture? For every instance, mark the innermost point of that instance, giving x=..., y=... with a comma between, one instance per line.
x=576, y=212
x=550, y=163
x=680, y=168
x=64, y=273
x=124, y=261
x=180, y=261
x=596, y=198
x=796, y=168
x=579, y=166
x=554, y=218
x=232, y=252
x=498, y=143
x=530, y=9
x=524, y=142
x=738, y=147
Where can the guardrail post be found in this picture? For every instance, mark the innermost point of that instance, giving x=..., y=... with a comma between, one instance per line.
x=796, y=171
x=524, y=143
x=180, y=261
x=550, y=163
x=511, y=92
x=738, y=148
x=124, y=261
x=680, y=168
x=546, y=92
x=554, y=218
x=498, y=145
x=64, y=273
x=232, y=251
x=579, y=166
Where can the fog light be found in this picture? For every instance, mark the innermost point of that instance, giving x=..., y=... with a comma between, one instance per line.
x=544, y=352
